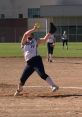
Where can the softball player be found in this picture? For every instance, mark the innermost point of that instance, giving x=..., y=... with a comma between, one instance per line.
x=64, y=39
x=50, y=47
x=33, y=60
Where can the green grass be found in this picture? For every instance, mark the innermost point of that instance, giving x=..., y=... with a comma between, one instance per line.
x=10, y=50
x=74, y=50
x=14, y=50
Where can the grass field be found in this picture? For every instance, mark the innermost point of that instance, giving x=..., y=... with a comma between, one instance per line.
x=14, y=50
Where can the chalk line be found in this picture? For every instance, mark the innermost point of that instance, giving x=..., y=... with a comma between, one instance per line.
x=49, y=87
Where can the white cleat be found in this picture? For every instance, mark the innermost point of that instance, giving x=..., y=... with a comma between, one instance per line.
x=17, y=93
x=54, y=88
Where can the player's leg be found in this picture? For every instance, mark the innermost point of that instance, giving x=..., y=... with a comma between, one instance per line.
x=67, y=44
x=25, y=75
x=51, y=54
x=39, y=68
x=63, y=43
x=50, y=57
x=48, y=51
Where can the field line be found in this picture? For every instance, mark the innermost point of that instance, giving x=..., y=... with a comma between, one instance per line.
x=49, y=87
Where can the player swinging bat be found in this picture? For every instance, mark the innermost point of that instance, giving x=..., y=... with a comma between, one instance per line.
x=33, y=59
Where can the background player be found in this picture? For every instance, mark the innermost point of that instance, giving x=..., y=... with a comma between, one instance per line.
x=50, y=47
x=64, y=39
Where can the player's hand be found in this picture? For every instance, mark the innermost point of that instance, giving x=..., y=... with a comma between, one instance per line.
x=22, y=45
x=53, y=45
x=37, y=26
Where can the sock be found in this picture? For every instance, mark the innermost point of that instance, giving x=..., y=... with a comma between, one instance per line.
x=20, y=87
x=50, y=81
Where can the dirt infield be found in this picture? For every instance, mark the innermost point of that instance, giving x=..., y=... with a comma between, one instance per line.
x=39, y=101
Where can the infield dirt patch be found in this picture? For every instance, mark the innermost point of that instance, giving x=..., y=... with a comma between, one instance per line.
x=40, y=101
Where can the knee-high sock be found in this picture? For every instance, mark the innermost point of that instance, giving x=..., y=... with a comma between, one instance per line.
x=50, y=81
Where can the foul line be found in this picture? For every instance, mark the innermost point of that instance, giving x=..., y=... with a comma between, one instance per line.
x=49, y=87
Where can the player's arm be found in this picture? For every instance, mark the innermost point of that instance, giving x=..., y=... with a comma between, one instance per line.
x=51, y=31
x=43, y=40
x=23, y=41
x=26, y=35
